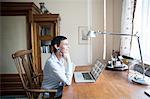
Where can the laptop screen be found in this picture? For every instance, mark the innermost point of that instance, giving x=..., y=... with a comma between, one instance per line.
x=97, y=69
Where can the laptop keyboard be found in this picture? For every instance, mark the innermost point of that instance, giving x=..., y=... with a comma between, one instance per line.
x=86, y=76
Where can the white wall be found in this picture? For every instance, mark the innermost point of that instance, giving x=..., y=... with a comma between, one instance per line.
x=13, y=38
x=74, y=13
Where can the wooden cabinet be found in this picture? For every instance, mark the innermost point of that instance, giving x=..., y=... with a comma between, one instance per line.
x=45, y=28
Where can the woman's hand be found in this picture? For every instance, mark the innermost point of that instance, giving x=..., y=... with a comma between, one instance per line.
x=67, y=57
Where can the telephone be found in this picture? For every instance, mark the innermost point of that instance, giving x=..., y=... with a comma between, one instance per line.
x=59, y=50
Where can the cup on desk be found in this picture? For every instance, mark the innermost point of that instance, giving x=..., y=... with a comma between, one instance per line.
x=118, y=64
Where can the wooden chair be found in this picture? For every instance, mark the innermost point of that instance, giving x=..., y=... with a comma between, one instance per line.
x=30, y=80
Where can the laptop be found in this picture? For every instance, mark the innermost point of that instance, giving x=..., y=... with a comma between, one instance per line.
x=90, y=76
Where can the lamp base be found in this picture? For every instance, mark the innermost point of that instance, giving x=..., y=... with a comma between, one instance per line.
x=139, y=78
x=120, y=67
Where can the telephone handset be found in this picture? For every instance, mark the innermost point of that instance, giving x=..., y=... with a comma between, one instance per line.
x=59, y=50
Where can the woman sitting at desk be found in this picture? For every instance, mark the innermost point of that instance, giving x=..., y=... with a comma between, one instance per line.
x=56, y=74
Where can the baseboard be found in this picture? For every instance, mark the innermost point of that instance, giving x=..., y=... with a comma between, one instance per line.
x=10, y=84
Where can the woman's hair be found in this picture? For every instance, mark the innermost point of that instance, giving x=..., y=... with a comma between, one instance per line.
x=56, y=41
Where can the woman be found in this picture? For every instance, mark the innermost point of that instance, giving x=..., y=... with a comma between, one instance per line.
x=56, y=74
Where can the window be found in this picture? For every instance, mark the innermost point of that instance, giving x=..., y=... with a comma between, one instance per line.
x=142, y=26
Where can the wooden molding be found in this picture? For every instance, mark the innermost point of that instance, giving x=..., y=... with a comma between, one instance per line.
x=18, y=8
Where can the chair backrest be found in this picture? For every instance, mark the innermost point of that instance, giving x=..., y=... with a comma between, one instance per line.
x=23, y=61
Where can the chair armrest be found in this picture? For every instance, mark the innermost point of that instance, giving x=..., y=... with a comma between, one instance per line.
x=51, y=93
x=41, y=90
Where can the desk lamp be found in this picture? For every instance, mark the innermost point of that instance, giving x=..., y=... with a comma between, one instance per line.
x=134, y=77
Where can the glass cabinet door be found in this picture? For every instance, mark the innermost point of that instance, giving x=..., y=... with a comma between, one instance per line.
x=46, y=29
x=46, y=33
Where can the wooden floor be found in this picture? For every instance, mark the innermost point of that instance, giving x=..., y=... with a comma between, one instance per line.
x=110, y=85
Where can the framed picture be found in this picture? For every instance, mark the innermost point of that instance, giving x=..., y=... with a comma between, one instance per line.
x=82, y=34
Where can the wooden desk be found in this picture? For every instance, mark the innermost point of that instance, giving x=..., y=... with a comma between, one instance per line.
x=110, y=85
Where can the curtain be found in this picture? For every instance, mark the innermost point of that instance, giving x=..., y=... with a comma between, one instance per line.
x=126, y=26
x=142, y=26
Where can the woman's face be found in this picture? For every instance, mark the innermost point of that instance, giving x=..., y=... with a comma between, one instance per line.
x=64, y=46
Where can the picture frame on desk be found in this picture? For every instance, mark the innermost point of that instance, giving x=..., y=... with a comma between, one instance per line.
x=82, y=34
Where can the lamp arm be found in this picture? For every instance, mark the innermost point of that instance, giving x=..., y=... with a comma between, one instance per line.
x=140, y=50
x=117, y=34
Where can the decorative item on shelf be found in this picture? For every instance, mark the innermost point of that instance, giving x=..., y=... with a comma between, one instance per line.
x=43, y=8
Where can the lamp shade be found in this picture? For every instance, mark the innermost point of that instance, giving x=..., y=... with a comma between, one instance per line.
x=91, y=34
